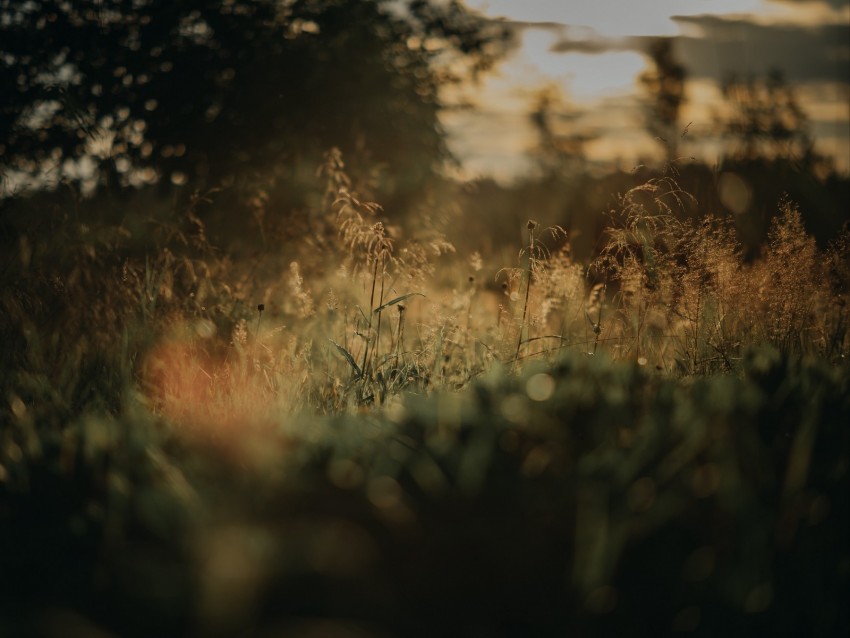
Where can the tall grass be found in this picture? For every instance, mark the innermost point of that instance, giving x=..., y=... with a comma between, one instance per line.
x=378, y=307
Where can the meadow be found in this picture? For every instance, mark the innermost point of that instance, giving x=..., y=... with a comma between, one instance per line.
x=372, y=424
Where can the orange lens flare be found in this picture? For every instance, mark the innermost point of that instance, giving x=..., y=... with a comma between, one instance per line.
x=231, y=402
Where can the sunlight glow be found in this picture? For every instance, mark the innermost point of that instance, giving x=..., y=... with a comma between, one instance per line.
x=222, y=402
x=598, y=69
x=597, y=75
x=583, y=75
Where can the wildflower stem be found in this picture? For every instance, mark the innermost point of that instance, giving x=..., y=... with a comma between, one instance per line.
x=260, y=308
x=369, y=326
x=531, y=226
x=380, y=315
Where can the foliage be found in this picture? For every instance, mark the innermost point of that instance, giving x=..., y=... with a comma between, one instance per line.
x=211, y=91
x=582, y=497
x=687, y=299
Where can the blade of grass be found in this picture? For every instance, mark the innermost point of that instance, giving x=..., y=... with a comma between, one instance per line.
x=393, y=302
x=345, y=353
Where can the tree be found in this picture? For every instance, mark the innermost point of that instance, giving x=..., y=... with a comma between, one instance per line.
x=210, y=92
x=665, y=84
x=770, y=150
x=558, y=154
x=765, y=121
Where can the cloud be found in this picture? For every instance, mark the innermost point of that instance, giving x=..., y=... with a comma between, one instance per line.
x=520, y=25
x=575, y=39
x=598, y=45
x=719, y=46
x=834, y=4
x=713, y=47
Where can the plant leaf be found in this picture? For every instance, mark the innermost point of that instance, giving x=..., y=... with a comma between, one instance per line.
x=345, y=353
x=393, y=302
x=368, y=321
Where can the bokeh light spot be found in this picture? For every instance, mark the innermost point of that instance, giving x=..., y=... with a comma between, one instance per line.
x=641, y=494
x=687, y=620
x=540, y=387
x=735, y=194
x=759, y=598
x=699, y=565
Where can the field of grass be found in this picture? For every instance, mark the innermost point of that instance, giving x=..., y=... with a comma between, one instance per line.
x=370, y=427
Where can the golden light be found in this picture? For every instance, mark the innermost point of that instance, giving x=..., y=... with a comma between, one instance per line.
x=591, y=53
x=233, y=402
x=584, y=76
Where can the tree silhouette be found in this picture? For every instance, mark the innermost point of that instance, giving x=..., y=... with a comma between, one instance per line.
x=766, y=121
x=209, y=92
x=558, y=153
x=665, y=84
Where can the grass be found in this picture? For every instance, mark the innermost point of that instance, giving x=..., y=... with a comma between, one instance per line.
x=373, y=432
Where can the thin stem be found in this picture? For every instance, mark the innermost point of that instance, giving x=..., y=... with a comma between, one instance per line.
x=260, y=308
x=597, y=329
x=399, y=346
x=369, y=326
x=531, y=226
x=380, y=314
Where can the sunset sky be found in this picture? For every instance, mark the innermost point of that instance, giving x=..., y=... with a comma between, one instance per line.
x=591, y=54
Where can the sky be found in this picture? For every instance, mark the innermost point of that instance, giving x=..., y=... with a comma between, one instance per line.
x=590, y=55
